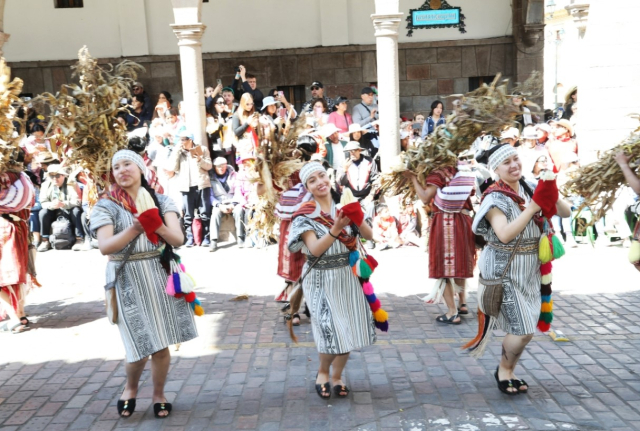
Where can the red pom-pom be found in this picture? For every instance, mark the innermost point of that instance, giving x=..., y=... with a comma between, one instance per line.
x=354, y=212
x=544, y=326
x=190, y=297
x=151, y=222
x=373, y=264
x=179, y=295
x=546, y=268
x=375, y=306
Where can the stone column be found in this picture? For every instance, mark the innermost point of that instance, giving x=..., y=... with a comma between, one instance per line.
x=189, y=30
x=386, y=21
x=4, y=37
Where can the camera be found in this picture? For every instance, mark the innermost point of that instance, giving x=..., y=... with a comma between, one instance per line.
x=238, y=69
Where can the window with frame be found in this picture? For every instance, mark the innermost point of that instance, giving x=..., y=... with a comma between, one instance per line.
x=295, y=94
x=64, y=4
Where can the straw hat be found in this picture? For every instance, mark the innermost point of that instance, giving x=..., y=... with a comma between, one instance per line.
x=567, y=125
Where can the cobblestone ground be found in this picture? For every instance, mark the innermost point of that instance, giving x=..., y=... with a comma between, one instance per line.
x=67, y=372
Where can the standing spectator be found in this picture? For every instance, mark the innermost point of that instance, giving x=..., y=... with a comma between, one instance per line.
x=245, y=125
x=317, y=92
x=359, y=174
x=284, y=107
x=335, y=148
x=525, y=118
x=225, y=199
x=249, y=86
x=270, y=115
x=366, y=111
x=229, y=96
x=320, y=112
x=173, y=125
x=569, y=100
x=530, y=152
x=136, y=114
x=562, y=145
x=434, y=119
x=191, y=165
x=340, y=117
x=138, y=90
x=360, y=135
x=418, y=117
x=164, y=104
x=59, y=199
x=217, y=122
x=510, y=136
x=210, y=94
x=545, y=133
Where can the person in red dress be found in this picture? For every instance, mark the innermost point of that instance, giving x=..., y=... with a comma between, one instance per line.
x=452, y=254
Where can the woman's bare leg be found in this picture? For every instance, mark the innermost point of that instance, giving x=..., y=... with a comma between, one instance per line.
x=512, y=348
x=160, y=362
x=134, y=371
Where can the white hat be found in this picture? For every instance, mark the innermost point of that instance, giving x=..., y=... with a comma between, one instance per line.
x=530, y=132
x=353, y=145
x=308, y=169
x=404, y=135
x=544, y=127
x=501, y=154
x=355, y=127
x=219, y=161
x=510, y=133
x=129, y=155
x=268, y=101
x=328, y=130
x=57, y=169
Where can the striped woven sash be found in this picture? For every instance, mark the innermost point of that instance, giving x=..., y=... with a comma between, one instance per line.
x=451, y=198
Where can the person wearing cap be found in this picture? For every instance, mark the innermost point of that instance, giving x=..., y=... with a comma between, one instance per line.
x=249, y=86
x=335, y=147
x=191, y=165
x=545, y=133
x=137, y=115
x=366, y=111
x=434, y=119
x=342, y=321
x=405, y=140
x=359, y=174
x=270, y=116
x=132, y=219
x=561, y=145
x=361, y=135
x=59, y=199
x=530, y=151
x=137, y=89
x=229, y=99
x=226, y=198
x=509, y=220
x=317, y=92
x=524, y=118
x=340, y=117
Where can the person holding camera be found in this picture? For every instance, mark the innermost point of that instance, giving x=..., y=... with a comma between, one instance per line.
x=249, y=85
x=245, y=125
x=192, y=164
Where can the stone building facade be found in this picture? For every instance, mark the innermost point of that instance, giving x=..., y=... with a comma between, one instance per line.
x=428, y=70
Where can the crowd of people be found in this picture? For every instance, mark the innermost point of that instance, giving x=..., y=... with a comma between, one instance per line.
x=170, y=192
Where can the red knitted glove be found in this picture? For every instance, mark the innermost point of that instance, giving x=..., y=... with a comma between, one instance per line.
x=354, y=212
x=151, y=222
x=546, y=195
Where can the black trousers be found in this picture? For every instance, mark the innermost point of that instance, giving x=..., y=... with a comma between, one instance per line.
x=74, y=215
x=194, y=200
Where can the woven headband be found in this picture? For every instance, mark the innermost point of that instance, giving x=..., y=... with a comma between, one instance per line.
x=309, y=169
x=131, y=156
x=500, y=155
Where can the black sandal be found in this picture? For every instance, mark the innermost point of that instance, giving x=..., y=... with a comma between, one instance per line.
x=463, y=311
x=126, y=406
x=504, y=385
x=518, y=383
x=338, y=389
x=324, y=389
x=448, y=320
x=159, y=407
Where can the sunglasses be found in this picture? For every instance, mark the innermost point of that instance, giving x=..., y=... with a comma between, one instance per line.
x=220, y=103
x=56, y=176
x=315, y=88
x=184, y=139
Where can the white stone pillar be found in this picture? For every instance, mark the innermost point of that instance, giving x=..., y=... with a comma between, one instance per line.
x=189, y=30
x=4, y=37
x=386, y=21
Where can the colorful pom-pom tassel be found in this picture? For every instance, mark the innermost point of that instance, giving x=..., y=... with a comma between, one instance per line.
x=170, y=289
x=558, y=248
x=198, y=310
x=353, y=258
x=372, y=262
x=375, y=305
x=371, y=298
x=543, y=326
x=544, y=252
x=380, y=315
x=546, y=268
x=185, y=283
x=365, y=270
x=546, y=279
x=176, y=282
x=547, y=307
x=383, y=326
x=190, y=297
x=367, y=288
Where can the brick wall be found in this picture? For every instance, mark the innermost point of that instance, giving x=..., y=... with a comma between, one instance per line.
x=428, y=70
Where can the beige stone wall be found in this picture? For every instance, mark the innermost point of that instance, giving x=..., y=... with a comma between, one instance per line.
x=428, y=70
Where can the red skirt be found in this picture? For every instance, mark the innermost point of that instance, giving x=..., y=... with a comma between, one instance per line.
x=452, y=250
x=289, y=264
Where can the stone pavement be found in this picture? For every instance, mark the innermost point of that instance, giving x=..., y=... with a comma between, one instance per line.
x=244, y=373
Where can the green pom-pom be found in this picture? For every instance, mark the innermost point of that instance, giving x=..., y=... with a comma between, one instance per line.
x=558, y=248
x=365, y=270
x=546, y=317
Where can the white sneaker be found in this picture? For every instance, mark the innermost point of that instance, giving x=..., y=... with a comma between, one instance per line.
x=87, y=245
x=44, y=246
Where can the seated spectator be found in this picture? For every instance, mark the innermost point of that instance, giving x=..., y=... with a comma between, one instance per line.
x=360, y=135
x=163, y=105
x=366, y=111
x=317, y=92
x=359, y=174
x=58, y=199
x=35, y=144
x=405, y=140
x=340, y=117
x=510, y=136
x=335, y=148
x=249, y=86
x=225, y=199
x=530, y=151
x=545, y=133
x=135, y=115
x=385, y=229
x=562, y=145
x=408, y=222
x=191, y=165
x=81, y=182
x=434, y=119
x=542, y=164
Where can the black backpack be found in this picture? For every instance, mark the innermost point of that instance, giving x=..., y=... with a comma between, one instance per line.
x=62, y=236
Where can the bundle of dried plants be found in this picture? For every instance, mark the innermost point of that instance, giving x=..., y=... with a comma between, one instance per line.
x=9, y=144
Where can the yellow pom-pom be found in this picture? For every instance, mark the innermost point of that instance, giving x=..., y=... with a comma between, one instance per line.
x=547, y=307
x=381, y=315
x=544, y=253
x=198, y=310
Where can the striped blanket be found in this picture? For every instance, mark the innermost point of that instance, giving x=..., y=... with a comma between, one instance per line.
x=291, y=200
x=451, y=199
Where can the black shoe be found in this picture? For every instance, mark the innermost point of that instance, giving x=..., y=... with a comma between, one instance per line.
x=158, y=407
x=126, y=406
x=505, y=385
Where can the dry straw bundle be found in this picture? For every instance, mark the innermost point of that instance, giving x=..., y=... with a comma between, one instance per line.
x=599, y=182
x=9, y=145
x=84, y=116
x=487, y=109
